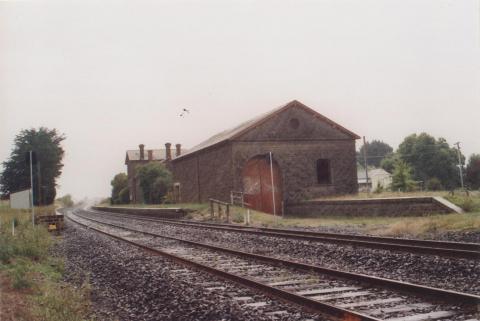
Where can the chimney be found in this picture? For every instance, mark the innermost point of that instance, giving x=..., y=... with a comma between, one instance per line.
x=178, y=150
x=168, y=151
x=150, y=154
x=142, y=152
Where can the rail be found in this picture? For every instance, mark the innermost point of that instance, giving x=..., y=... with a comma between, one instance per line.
x=430, y=247
x=311, y=303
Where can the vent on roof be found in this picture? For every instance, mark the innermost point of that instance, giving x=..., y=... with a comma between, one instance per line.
x=294, y=123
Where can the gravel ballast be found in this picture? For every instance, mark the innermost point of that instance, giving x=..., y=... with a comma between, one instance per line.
x=127, y=284
x=448, y=273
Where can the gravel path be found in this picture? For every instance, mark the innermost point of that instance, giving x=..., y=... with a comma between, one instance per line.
x=453, y=274
x=129, y=285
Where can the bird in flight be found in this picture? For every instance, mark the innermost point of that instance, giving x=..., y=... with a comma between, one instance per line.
x=184, y=112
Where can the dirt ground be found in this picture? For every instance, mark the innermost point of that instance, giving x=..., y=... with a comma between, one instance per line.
x=13, y=303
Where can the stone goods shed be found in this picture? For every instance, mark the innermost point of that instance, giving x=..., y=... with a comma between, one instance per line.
x=289, y=154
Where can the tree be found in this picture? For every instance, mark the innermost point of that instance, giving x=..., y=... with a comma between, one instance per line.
x=473, y=172
x=120, y=191
x=402, y=177
x=155, y=180
x=434, y=184
x=46, y=144
x=388, y=163
x=376, y=152
x=66, y=200
x=429, y=157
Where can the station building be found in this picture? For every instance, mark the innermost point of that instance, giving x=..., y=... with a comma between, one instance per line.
x=289, y=154
x=140, y=156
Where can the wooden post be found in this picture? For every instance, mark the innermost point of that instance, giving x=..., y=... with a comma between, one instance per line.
x=211, y=209
x=228, y=213
x=219, y=211
x=366, y=163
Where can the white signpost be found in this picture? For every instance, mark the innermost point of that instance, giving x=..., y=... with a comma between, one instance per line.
x=21, y=199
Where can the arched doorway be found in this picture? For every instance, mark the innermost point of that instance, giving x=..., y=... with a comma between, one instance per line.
x=257, y=185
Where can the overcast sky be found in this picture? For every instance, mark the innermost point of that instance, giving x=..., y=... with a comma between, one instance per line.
x=112, y=75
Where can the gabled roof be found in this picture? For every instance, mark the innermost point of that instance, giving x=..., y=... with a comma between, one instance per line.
x=372, y=172
x=134, y=155
x=235, y=132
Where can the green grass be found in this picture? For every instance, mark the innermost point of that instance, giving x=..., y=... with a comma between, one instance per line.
x=468, y=204
x=387, y=194
x=60, y=303
x=36, y=275
x=418, y=226
x=392, y=226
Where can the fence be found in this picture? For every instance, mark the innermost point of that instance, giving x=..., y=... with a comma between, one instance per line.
x=220, y=211
x=237, y=198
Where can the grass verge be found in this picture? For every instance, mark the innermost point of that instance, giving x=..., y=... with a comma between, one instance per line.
x=393, y=226
x=31, y=278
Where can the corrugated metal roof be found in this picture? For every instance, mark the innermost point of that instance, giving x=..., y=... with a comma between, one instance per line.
x=245, y=126
x=371, y=173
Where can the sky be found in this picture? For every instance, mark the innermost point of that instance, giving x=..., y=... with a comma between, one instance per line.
x=111, y=75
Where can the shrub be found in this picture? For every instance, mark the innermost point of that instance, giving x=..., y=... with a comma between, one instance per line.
x=155, y=180
x=467, y=203
x=379, y=189
x=124, y=196
x=28, y=241
x=119, y=194
x=238, y=218
x=6, y=247
x=60, y=303
x=402, y=177
x=434, y=184
x=66, y=201
x=19, y=274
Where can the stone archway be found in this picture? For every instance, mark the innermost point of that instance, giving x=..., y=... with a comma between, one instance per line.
x=257, y=185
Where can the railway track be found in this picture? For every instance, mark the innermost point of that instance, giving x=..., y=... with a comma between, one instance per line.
x=347, y=296
x=440, y=248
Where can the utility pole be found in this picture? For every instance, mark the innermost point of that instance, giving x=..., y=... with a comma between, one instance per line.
x=273, y=186
x=365, y=162
x=460, y=163
x=31, y=189
x=39, y=184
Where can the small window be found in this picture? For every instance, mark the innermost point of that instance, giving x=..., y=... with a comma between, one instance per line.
x=294, y=123
x=323, y=171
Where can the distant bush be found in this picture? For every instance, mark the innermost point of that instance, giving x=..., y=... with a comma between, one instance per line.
x=66, y=201
x=434, y=184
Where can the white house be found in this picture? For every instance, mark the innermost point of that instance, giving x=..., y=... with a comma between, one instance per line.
x=376, y=177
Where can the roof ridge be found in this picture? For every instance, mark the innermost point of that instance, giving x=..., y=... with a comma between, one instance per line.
x=242, y=128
